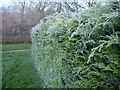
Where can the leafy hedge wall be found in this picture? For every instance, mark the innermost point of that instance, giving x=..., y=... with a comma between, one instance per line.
x=78, y=50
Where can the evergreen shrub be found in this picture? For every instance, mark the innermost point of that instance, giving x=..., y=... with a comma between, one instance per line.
x=78, y=50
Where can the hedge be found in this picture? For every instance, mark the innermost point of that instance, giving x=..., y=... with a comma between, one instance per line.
x=78, y=50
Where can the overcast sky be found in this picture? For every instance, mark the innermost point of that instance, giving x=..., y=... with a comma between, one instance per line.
x=9, y=2
x=5, y=2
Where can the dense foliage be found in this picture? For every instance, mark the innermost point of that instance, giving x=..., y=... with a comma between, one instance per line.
x=78, y=50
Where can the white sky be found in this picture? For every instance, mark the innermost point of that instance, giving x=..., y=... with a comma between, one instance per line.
x=1, y=2
x=5, y=2
x=9, y=2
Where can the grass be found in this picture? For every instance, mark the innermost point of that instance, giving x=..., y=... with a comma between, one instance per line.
x=18, y=69
x=9, y=47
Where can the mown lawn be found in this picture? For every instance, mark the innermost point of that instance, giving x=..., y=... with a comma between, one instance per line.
x=9, y=47
x=18, y=69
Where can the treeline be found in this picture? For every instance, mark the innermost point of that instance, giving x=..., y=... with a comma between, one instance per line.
x=20, y=17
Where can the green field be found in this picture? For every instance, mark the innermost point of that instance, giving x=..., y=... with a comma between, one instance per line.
x=9, y=47
x=18, y=68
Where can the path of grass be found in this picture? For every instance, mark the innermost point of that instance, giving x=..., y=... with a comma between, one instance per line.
x=19, y=71
x=18, y=50
x=9, y=47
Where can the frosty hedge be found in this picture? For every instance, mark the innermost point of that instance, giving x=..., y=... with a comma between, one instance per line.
x=78, y=50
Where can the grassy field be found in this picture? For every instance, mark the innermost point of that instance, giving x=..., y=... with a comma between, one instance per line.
x=18, y=68
x=9, y=47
